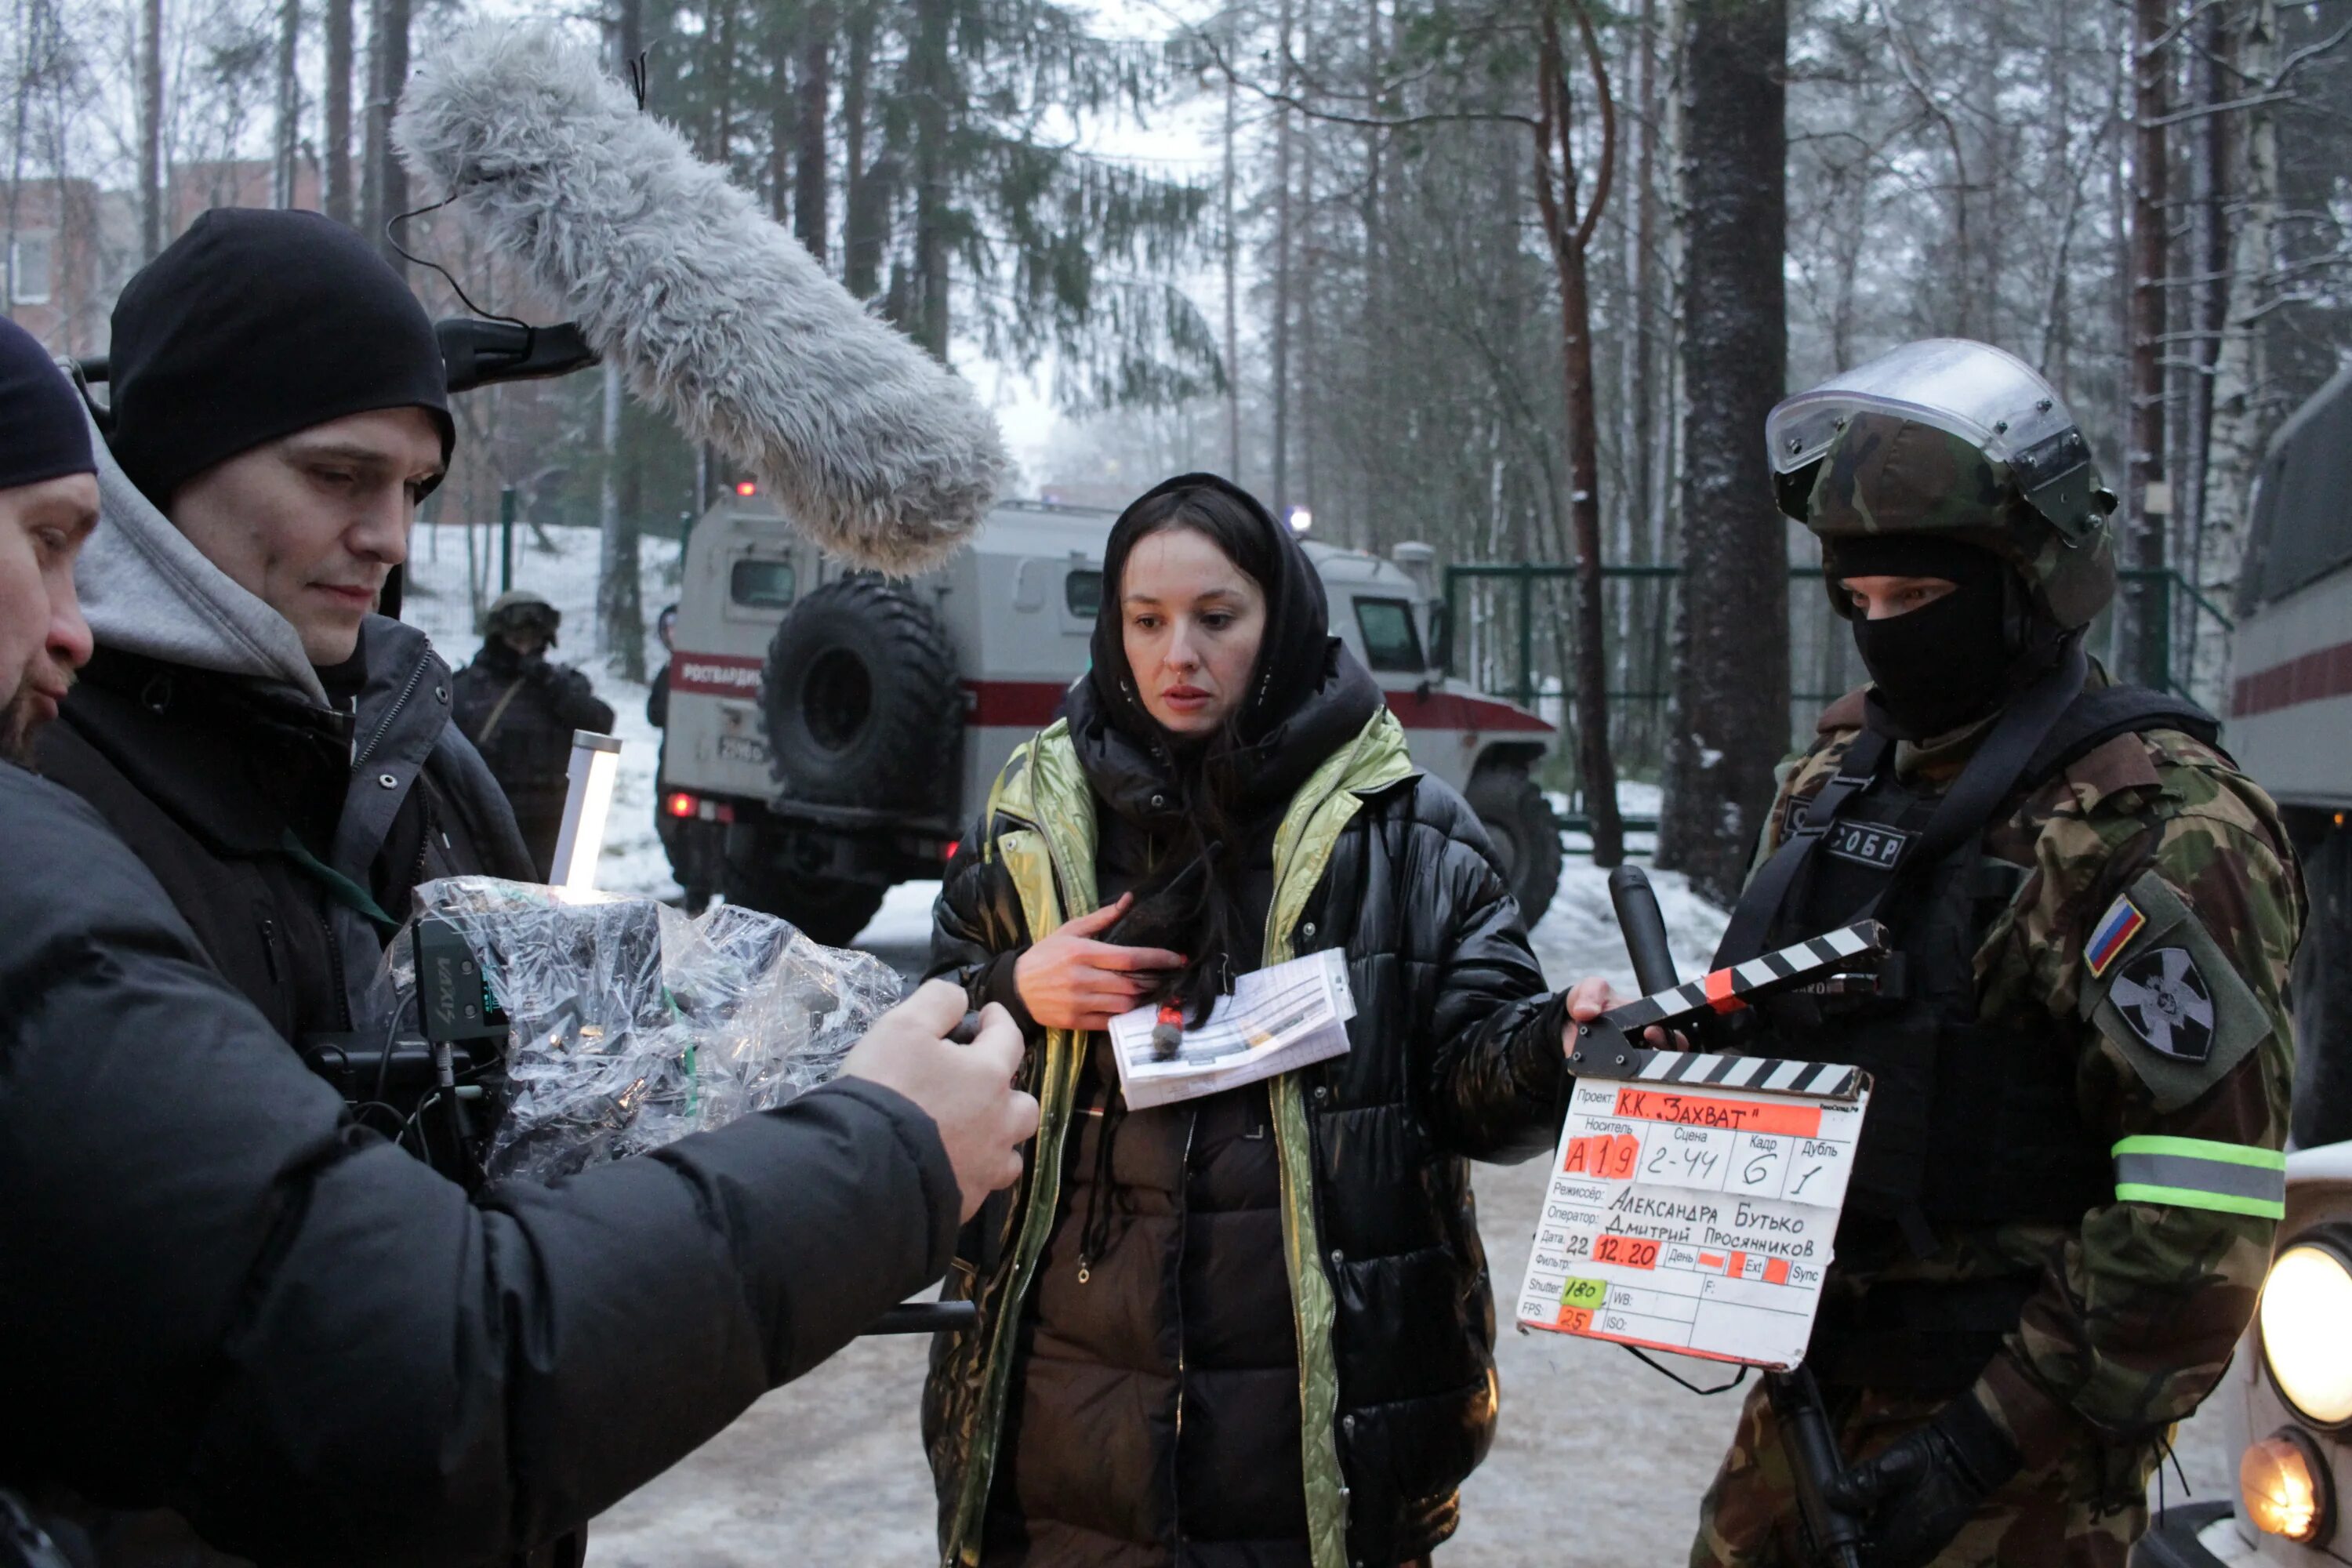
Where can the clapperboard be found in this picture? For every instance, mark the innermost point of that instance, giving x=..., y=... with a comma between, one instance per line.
x=1694, y=1197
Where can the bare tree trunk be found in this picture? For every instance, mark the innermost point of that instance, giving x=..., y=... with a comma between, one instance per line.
x=1282, y=279
x=620, y=606
x=2208, y=292
x=1731, y=652
x=811, y=218
x=2241, y=414
x=867, y=192
x=152, y=177
x=1642, y=504
x=783, y=108
x=1571, y=235
x=2143, y=472
x=336, y=179
x=930, y=68
x=388, y=66
x=287, y=143
x=1233, y=308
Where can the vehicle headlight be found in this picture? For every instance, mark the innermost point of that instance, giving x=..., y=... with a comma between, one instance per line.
x=2283, y=1485
x=2306, y=1320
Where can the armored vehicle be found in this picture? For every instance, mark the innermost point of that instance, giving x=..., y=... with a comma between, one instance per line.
x=2284, y=1407
x=831, y=733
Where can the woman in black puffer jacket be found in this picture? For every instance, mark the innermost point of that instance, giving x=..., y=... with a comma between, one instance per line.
x=1251, y=1330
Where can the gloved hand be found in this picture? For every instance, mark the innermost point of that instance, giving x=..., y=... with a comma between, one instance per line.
x=1917, y=1494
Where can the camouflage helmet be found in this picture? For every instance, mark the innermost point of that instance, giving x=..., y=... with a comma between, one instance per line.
x=520, y=608
x=1961, y=440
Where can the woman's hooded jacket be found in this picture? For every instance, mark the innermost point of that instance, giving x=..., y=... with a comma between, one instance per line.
x=1145, y=1384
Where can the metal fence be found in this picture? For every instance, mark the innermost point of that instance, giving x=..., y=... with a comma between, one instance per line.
x=1511, y=629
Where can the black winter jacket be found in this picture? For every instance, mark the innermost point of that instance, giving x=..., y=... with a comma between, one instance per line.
x=273, y=823
x=222, y=1299
x=520, y=714
x=1456, y=1054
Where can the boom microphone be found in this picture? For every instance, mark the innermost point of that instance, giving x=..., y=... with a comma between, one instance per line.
x=714, y=312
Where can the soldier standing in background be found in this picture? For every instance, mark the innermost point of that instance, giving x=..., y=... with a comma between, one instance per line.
x=2080, y=1048
x=519, y=711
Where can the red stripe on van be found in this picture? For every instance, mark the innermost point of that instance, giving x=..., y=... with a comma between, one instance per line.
x=2309, y=678
x=715, y=674
x=1032, y=704
x=1013, y=704
x=1452, y=710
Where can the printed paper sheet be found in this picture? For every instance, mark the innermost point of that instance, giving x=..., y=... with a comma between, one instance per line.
x=1278, y=1018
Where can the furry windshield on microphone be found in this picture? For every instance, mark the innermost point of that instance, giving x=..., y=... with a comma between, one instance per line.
x=714, y=312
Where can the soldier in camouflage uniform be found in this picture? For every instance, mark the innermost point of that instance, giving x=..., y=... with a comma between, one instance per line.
x=2053, y=1245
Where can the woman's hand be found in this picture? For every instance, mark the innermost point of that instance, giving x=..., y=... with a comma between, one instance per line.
x=1587, y=1000
x=1070, y=981
x=1591, y=997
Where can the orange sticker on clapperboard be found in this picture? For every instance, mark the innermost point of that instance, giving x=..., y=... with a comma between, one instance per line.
x=1712, y=1110
x=1626, y=1251
x=1606, y=1155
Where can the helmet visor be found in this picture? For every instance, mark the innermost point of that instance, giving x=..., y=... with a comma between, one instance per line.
x=1987, y=396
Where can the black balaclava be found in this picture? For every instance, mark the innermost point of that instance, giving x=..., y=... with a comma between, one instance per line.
x=49, y=435
x=255, y=324
x=1949, y=663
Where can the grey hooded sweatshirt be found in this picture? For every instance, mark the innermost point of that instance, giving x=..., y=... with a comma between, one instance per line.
x=289, y=831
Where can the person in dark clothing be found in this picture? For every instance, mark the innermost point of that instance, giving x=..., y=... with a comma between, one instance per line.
x=696, y=880
x=1250, y=1330
x=236, y=1328
x=280, y=757
x=519, y=711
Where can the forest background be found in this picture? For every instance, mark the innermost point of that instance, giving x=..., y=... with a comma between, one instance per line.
x=1517, y=278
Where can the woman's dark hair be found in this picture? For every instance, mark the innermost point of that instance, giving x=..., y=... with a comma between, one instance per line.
x=1193, y=902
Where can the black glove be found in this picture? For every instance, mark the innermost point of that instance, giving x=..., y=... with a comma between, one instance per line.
x=1916, y=1494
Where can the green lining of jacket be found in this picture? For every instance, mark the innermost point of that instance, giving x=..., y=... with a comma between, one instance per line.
x=1051, y=858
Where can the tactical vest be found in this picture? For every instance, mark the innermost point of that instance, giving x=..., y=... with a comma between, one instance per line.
x=1971, y=1123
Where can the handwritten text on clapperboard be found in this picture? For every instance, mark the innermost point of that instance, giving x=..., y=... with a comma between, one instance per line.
x=1691, y=1219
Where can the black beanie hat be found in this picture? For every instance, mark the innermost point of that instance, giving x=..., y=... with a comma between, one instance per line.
x=255, y=324
x=48, y=436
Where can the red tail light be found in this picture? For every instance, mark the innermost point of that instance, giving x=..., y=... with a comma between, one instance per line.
x=746, y=488
x=680, y=804
x=953, y=845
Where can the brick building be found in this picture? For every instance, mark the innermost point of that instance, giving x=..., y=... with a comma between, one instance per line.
x=67, y=247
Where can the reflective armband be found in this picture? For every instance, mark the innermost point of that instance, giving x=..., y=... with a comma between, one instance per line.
x=2197, y=1173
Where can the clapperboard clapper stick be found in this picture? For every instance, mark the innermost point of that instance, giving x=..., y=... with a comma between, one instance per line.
x=1608, y=1042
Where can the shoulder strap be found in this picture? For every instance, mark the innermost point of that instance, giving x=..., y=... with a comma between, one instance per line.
x=2001, y=763
x=1992, y=772
x=2097, y=716
x=490, y=724
x=1751, y=930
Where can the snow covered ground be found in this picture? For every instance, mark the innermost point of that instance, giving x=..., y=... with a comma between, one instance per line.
x=1598, y=1462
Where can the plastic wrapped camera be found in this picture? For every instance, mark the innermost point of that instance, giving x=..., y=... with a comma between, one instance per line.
x=626, y=1025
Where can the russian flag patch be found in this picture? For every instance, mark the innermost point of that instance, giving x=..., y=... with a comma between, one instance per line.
x=2113, y=932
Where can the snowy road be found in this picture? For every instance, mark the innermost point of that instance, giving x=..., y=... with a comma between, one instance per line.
x=1598, y=1462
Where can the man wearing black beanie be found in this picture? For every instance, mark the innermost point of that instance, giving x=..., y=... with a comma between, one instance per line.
x=48, y=504
x=241, y=1328
x=278, y=754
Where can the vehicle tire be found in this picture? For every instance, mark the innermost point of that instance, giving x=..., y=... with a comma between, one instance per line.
x=863, y=702
x=824, y=911
x=1520, y=821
